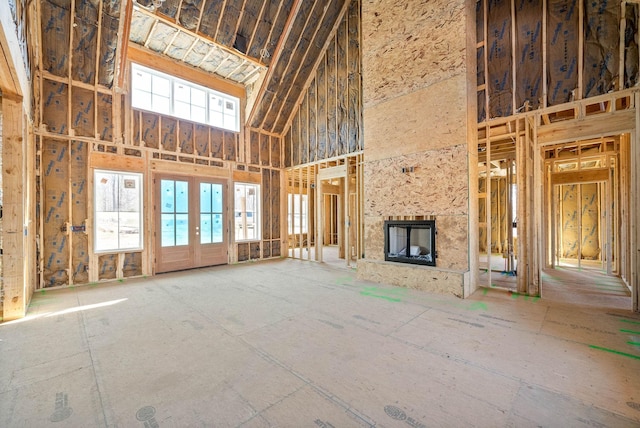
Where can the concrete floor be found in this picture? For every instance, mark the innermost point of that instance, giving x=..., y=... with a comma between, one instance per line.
x=291, y=343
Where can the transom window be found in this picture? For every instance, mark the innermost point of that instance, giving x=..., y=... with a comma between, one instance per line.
x=161, y=93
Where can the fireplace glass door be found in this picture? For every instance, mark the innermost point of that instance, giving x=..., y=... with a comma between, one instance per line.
x=410, y=241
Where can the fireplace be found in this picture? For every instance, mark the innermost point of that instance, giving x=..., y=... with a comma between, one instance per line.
x=410, y=241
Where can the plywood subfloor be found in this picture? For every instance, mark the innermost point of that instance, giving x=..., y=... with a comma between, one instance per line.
x=291, y=343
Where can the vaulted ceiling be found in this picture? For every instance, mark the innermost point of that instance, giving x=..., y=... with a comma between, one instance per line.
x=242, y=41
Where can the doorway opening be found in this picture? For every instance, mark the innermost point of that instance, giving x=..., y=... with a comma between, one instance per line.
x=190, y=222
x=586, y=221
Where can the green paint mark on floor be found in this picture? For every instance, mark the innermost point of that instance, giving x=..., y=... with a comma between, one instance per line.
x=379, y=296
x=613, y=351
x=93, y=284
x=484, y=292
x=629, y=331
x=475, y=306
x=43, y=291
x=630, y=322
x=121, y=280
x=633, y=343
x=344, y=280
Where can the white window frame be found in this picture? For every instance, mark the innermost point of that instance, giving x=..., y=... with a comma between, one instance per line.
x=98, y=238
x=228, y=117
x=240, y=211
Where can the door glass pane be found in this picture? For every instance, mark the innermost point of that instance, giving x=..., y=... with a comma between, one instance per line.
x=205, y=197
x=167, y=196
x=182, y=229
x=167, y=230
x=216, y=231
x=217, y=198
x=205, y=228
x=182, y=197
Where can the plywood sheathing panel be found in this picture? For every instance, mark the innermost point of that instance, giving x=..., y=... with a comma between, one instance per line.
x=55, y=106
x=398, y=126
x=85, y=42
x=55, y=242
x=56, y=35
x=404, y=54
x=150, y=131
x=79, y=212
x=631, y=46
x=562, y=50
x=499, y=59
x=528, y=53
x=413, y=192
x=601, y=47
x=105, y=112
x=108, y=41
x=412, y=276
x=168, y=135
x=83, y=112
x=132, y=265
x=107, y=266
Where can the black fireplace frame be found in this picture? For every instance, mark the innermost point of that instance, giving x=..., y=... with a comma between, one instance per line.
x=422, y=224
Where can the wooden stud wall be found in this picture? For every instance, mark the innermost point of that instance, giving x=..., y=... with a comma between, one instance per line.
x=544, y=53
x=328, y=121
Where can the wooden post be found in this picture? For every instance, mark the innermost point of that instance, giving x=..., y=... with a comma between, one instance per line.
x=14, y=231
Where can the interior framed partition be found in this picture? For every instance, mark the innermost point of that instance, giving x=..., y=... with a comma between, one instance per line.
x=590, y=144
x=324, y=209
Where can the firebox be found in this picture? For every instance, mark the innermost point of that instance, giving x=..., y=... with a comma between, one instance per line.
x=410, y=241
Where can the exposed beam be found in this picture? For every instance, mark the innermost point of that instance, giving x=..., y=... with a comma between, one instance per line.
x=288, y=26
x=123, y=43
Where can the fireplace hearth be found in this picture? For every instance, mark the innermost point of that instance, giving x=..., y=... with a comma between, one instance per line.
x=410, y=241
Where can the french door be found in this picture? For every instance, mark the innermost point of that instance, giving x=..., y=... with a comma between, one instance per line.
x=190, y=222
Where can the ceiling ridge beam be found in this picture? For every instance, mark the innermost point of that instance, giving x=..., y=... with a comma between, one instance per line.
x=276, y=55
